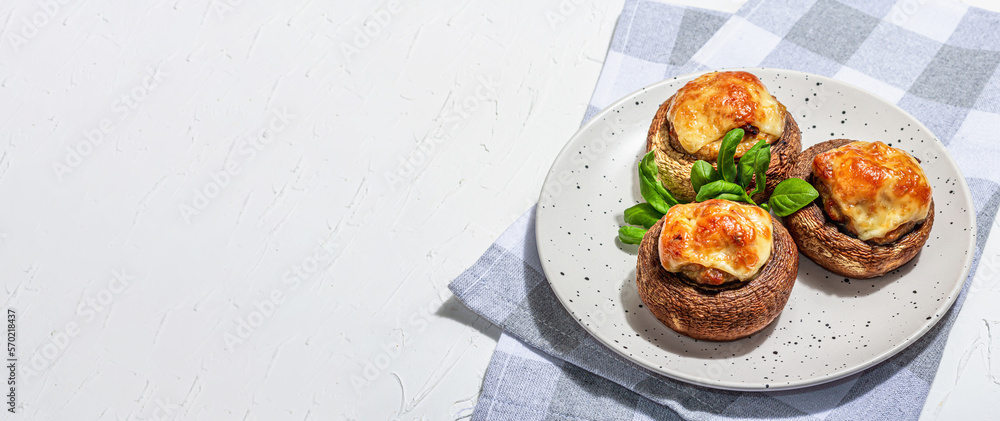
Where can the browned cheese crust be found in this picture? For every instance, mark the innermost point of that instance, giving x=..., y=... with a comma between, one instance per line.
x=674, y=163
x=821, y=241
x=722, y=314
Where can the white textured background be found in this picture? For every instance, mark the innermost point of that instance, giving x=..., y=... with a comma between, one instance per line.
x=245, y=210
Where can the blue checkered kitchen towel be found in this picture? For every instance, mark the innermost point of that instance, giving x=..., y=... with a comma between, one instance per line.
x=938, y=60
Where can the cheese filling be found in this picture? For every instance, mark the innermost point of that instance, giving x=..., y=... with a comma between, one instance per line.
x=873, y=189
x=715, y=241
x=708, y=107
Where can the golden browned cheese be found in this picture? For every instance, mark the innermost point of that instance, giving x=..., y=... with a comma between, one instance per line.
x=715, y=241
x=706, y=108
x=872, y=188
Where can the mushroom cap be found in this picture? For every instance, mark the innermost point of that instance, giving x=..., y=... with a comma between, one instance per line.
x=717, y=314
x=823, y=242
x=674, y=165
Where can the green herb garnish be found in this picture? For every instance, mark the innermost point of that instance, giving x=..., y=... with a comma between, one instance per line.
x=642, y=214
x=727, y=154
x=789, y=196
x=651, y=188
x=703, y=173
x=729, y=182
x=658, y=201
x=631, y=235
x=753, y=165
x=717, y=189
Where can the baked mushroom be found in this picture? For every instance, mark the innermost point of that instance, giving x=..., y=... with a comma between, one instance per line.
x=875, y=209
x=689, y=126
x=716, y=270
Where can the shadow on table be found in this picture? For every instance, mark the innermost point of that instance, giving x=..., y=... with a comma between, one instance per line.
x=455, y=310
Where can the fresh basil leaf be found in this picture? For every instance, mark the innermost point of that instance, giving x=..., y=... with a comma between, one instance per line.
x=649, y=165
x=760, y=168
x=724, y=190
x=702, y=173
x=664, y=193
x=652, y=190
x=727, y=152
x=791, y=195
x=647, y=188
x=650, y=195
x=631, y=235
x=667, y=196
x=642, y=214
x=729, y=196
x=746, y=168
x=714, y=189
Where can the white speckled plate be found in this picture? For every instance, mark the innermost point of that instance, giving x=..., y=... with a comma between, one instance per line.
x=830, y=328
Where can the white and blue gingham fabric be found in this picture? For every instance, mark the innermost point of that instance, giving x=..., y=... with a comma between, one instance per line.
x=938, y=60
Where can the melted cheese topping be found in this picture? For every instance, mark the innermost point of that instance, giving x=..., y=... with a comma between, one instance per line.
x=706, y=108
x=872, y=188
x=715, y=241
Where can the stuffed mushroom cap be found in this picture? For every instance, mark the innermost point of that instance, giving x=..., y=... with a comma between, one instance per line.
x=875, y=210
x=682, y=256
x=690, y=125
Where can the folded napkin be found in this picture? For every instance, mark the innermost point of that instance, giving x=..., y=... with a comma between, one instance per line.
x=938, y=60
